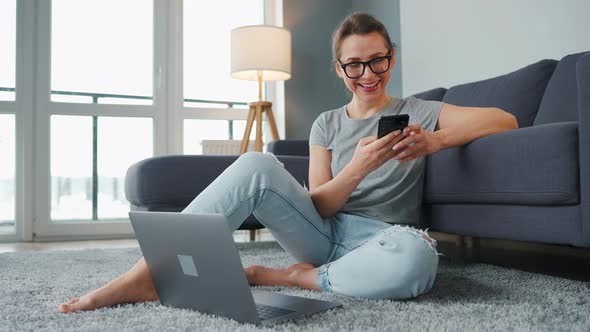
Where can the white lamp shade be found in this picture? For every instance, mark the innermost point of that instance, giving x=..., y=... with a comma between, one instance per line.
x=261, y=49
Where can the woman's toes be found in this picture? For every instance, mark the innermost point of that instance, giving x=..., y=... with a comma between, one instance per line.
x=77, y=304
x=72, y=301
x=251, y=273
x=67, y=307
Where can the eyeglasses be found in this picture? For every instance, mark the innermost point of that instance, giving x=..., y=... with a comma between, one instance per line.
x=356, y=69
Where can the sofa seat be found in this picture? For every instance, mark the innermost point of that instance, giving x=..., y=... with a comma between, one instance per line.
x=528, y=166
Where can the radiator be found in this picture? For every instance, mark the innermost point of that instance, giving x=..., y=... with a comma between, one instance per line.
x=224, y=147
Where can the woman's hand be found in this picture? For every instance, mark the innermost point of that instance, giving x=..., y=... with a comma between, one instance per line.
x=416, y=143
x=372, y=152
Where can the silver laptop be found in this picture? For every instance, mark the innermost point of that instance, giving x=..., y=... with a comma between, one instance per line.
x=195, y=264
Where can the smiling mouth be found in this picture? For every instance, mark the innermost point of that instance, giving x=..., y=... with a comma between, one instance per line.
x=369, y=86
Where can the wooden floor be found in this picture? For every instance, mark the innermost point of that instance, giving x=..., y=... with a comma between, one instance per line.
x=562, y=261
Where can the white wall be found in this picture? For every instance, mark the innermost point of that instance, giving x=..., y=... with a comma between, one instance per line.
x=444, y=43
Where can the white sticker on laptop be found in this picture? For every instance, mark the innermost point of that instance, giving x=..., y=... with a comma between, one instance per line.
x=188, y=265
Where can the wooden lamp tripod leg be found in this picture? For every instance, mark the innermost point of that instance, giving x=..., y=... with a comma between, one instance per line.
x=246, y=139
x=273, y=124
x=259, y=128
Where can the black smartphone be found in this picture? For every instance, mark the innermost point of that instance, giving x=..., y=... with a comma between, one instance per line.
x=389, y=123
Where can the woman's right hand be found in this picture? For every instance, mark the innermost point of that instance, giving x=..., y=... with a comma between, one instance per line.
x=372, y=152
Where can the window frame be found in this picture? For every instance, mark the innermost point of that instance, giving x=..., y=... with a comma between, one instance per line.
x=15, y=108
x=44, y=228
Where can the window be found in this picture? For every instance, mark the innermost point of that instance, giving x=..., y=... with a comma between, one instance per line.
x=97, y=56
x=89, y=158
x=71, y=167
x=7, y=174
x=118, y=93
x=8, y=47
x=7, y=116
x=101, y=53
x=206, y=43
x=207, y=82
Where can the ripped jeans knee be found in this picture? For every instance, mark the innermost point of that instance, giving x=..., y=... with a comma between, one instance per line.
x=399, y=262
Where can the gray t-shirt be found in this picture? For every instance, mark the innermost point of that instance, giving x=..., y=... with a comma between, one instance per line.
x=393, y=192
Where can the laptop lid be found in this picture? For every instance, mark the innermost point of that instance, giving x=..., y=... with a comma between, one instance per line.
x=198, y=270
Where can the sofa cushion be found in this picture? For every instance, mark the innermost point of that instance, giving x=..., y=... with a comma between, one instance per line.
x=434, y=94
x=529, y=166
x=519, y=92
x=560, y=101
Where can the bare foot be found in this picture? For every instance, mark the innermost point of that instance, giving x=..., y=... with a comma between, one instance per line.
x=301, y=275
x=134, y=286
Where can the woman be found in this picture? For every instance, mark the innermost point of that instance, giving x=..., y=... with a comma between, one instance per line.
x=352, y=231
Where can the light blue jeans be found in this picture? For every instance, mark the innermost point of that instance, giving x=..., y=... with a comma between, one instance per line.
x=356, y=256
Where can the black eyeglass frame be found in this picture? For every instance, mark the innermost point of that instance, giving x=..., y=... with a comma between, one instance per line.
x=365, y=64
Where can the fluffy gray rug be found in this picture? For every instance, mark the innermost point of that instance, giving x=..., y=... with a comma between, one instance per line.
x=465, y=297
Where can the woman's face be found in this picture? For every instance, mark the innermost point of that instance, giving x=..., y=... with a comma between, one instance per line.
x=370, y=87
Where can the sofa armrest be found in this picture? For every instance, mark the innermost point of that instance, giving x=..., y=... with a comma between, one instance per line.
x=583, y=81
x=289, y=148
x=172, y=182
x=528, y=166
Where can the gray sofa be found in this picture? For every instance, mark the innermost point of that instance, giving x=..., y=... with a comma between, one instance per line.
x=529, y=184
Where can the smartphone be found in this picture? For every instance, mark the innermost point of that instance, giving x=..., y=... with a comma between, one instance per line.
x=389, y=123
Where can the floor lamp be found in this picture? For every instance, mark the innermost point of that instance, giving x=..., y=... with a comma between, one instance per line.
x=260, y=53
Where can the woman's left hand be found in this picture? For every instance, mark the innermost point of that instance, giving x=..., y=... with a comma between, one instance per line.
x=417, y=143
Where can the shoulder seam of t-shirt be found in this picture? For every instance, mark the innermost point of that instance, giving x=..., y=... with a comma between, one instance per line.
x=320, y=122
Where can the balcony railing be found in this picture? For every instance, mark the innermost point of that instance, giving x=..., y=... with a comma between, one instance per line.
x=95, y=98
